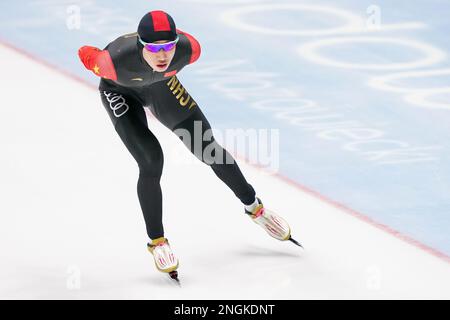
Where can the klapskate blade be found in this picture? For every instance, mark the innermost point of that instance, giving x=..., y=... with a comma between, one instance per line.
x=173, y=276
x=296, y=242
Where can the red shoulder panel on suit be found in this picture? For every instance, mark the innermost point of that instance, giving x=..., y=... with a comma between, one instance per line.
x=195, y=45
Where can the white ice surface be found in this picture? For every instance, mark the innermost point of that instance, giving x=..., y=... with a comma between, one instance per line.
x=69, y=208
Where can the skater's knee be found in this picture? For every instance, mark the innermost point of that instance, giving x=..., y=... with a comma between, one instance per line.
x=151, y=164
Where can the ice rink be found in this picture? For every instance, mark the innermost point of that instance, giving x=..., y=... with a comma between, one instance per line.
x=71, y=227
x=362, y=177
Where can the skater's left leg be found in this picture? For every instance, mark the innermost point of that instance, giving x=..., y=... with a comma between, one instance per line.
x=226, y=168
x=175, y=108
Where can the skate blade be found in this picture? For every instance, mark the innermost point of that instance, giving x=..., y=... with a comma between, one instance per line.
x=174, y=278
x=295, y=242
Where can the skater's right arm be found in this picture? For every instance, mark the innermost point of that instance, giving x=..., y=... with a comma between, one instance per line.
x=98, y=61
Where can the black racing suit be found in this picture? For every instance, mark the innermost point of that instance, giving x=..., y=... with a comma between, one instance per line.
x=132, y=85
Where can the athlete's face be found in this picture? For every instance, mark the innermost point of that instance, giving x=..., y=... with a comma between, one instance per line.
x=159, y=61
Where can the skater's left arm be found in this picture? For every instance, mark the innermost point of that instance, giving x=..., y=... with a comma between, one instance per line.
x=195, y=49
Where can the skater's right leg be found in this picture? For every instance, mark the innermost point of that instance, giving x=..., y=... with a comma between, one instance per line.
x=130, y=122
x=165, y=260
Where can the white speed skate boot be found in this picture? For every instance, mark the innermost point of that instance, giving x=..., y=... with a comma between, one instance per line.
x=165, y=260
x=272, y=223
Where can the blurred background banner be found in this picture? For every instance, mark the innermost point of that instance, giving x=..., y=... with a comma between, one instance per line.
x=359, y=90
